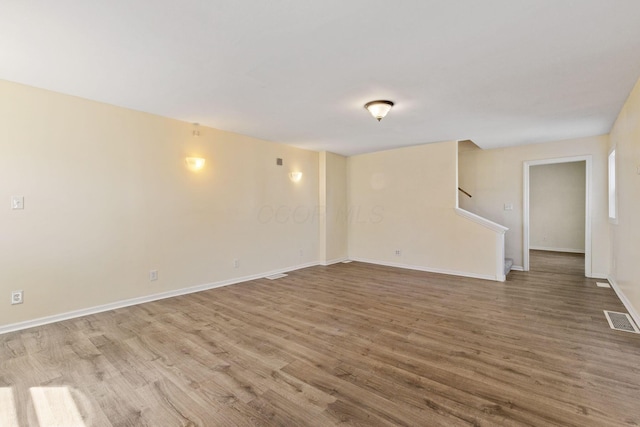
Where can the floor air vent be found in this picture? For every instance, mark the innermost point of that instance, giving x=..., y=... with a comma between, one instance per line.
x=603, y=284
x=621, y=322
x=276, y=276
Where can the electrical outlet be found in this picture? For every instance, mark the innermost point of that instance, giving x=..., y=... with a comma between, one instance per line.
x=301, y=252
x=17, y=297
x=236, y=263
x=153, y=275
x=398, y=252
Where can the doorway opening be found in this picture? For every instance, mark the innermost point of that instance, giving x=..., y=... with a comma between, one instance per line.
x=557, y=214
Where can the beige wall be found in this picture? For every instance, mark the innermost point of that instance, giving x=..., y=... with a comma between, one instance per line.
x=557, y=206
x=108, y=198
x=495, y=178
x=333, y=205
x=404, y=200
x=625, y=235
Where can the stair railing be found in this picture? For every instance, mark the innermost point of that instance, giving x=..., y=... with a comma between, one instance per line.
x=460, y=189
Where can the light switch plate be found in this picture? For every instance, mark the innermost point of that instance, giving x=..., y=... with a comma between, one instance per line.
x=508, y=206
x=17, y=297
x=17, y=202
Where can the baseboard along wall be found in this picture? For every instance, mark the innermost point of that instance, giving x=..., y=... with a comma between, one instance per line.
x=427, y=269
x=549, y=249
x=12, y=327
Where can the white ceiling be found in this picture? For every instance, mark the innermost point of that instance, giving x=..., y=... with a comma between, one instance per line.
x=499, y=72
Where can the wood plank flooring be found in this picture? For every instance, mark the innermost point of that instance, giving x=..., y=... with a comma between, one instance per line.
x=349, y=344
x=556, y=262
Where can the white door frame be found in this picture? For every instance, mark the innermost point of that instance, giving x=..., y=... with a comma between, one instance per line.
x=587, y=203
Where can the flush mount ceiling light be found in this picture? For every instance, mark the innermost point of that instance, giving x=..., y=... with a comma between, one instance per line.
x=379, y=109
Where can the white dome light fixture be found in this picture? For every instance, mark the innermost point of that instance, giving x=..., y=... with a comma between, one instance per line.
x=379, y=109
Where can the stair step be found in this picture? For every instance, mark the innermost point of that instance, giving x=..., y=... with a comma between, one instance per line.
x=508, y=263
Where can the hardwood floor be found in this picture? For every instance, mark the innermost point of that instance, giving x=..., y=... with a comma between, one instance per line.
x=556, y=262
x=352, y=344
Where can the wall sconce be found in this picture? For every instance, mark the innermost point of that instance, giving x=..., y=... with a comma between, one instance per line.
x=295, y=176
x=194, y=163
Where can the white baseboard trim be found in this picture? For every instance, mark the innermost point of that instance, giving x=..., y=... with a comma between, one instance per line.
x=12, y=327
x=334, y=261
x=545, y=248
x=429, y=269
x=517, y=268
x=625, y=301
